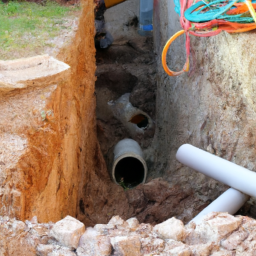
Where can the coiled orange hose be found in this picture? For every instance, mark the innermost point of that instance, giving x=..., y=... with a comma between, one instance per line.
x=164, y=54
x=205, y=29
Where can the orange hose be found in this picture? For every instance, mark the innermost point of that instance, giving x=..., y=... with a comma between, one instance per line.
x=110, y=3
x=164, y=54
x=240, y=8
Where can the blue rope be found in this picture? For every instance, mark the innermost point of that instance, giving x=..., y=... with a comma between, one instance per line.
x=216, y=10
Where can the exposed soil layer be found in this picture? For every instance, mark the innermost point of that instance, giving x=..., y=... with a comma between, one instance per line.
x=211, y=107
x=54, y=121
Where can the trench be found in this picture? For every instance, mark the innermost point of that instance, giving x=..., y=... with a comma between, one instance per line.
x=126, y=92
x=68, y=168
x=129, y=80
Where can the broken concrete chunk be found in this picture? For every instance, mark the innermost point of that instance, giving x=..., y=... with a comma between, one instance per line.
x=171, y=229
x=68, y=231
x=126, y=246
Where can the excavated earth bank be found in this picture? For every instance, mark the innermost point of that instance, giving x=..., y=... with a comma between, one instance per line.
x=47, y=129
x=211, y=107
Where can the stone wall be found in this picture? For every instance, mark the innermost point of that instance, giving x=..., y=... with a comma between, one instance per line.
x=211, y=107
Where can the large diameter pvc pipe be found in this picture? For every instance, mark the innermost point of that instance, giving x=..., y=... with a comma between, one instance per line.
x=129, y=167
x=217, y=168
x=230, y=201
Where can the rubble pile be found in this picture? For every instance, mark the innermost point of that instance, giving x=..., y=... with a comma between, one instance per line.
x=219, y=234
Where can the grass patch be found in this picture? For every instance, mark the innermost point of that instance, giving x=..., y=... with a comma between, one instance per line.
x=28, y=26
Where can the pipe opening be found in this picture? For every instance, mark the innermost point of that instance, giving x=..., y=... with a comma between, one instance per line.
x=129, y=172
x=140, y=120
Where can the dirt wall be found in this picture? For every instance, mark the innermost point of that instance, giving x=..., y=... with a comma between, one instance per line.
x=51, y=125
x=211, y=107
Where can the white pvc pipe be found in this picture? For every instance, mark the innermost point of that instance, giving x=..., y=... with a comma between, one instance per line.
x=230, y=201
x=128, y=148
x=217, y=168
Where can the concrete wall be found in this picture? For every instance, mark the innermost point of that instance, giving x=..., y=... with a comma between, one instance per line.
x=211, y=107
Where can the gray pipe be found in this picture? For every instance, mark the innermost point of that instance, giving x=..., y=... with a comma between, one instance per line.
x=124, y=111
x=129, y=167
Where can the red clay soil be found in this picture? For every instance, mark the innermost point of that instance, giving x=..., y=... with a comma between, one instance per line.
x=72, y=143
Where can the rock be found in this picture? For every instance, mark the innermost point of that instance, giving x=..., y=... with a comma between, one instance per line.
x=126, y=246
x=133, y=223
x=93, y=244
x=201, y=249
x=171, y=229
x=118, y=222
x=28, y=224
x=234, y=239
x=34, y=220
x=44, y=249
x=179, y=251
x=192, y=237
x=105, y=239
x=62, y=251
x=176, y=248
x=152, y=245
x=223, y=253
x=246, y=248
x=22, y=245
x=40, y=230
x=103, y=228
x=216, y=226
x=68, y=231
x=18, y=226
x=144, y=229
x=3, y=246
